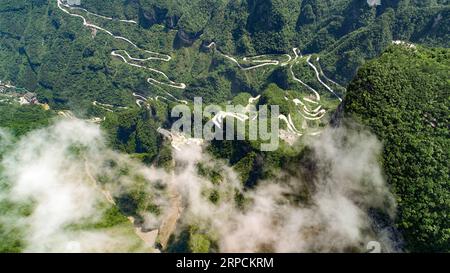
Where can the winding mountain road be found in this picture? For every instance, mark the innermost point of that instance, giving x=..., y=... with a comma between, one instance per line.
x=155, y=56
x=307, y=113
x=319, y=79
x=254, y=63
x=102, y=16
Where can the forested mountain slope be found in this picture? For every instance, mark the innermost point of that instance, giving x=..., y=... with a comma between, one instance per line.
x=348, y=31
x=47, y=51
x=404, y=97
x=125, y=63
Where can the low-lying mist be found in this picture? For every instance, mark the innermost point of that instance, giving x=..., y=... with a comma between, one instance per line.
x=347, y=182
x=67, y=171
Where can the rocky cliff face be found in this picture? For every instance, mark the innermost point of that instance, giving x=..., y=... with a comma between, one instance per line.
x=338, y=116
x=185, y=38
x=160, y=14
x=157, y=15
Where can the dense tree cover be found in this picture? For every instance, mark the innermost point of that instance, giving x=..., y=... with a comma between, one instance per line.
x=69, y=65
x=22, y=119
x=11, y=235
x=246, y=156
x=345, y=28
x=134, y=131
x=53, y=56
x=404, y=98
x=192, y=240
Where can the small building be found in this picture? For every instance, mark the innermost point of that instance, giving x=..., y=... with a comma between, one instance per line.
x=29, y=98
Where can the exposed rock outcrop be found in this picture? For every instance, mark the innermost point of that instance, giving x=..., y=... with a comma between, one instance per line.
x=185, y=38
x=156, y=15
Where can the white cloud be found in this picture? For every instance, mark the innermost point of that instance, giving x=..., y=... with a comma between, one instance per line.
x=374, y=3
x=45, y=169
x=345, y=182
